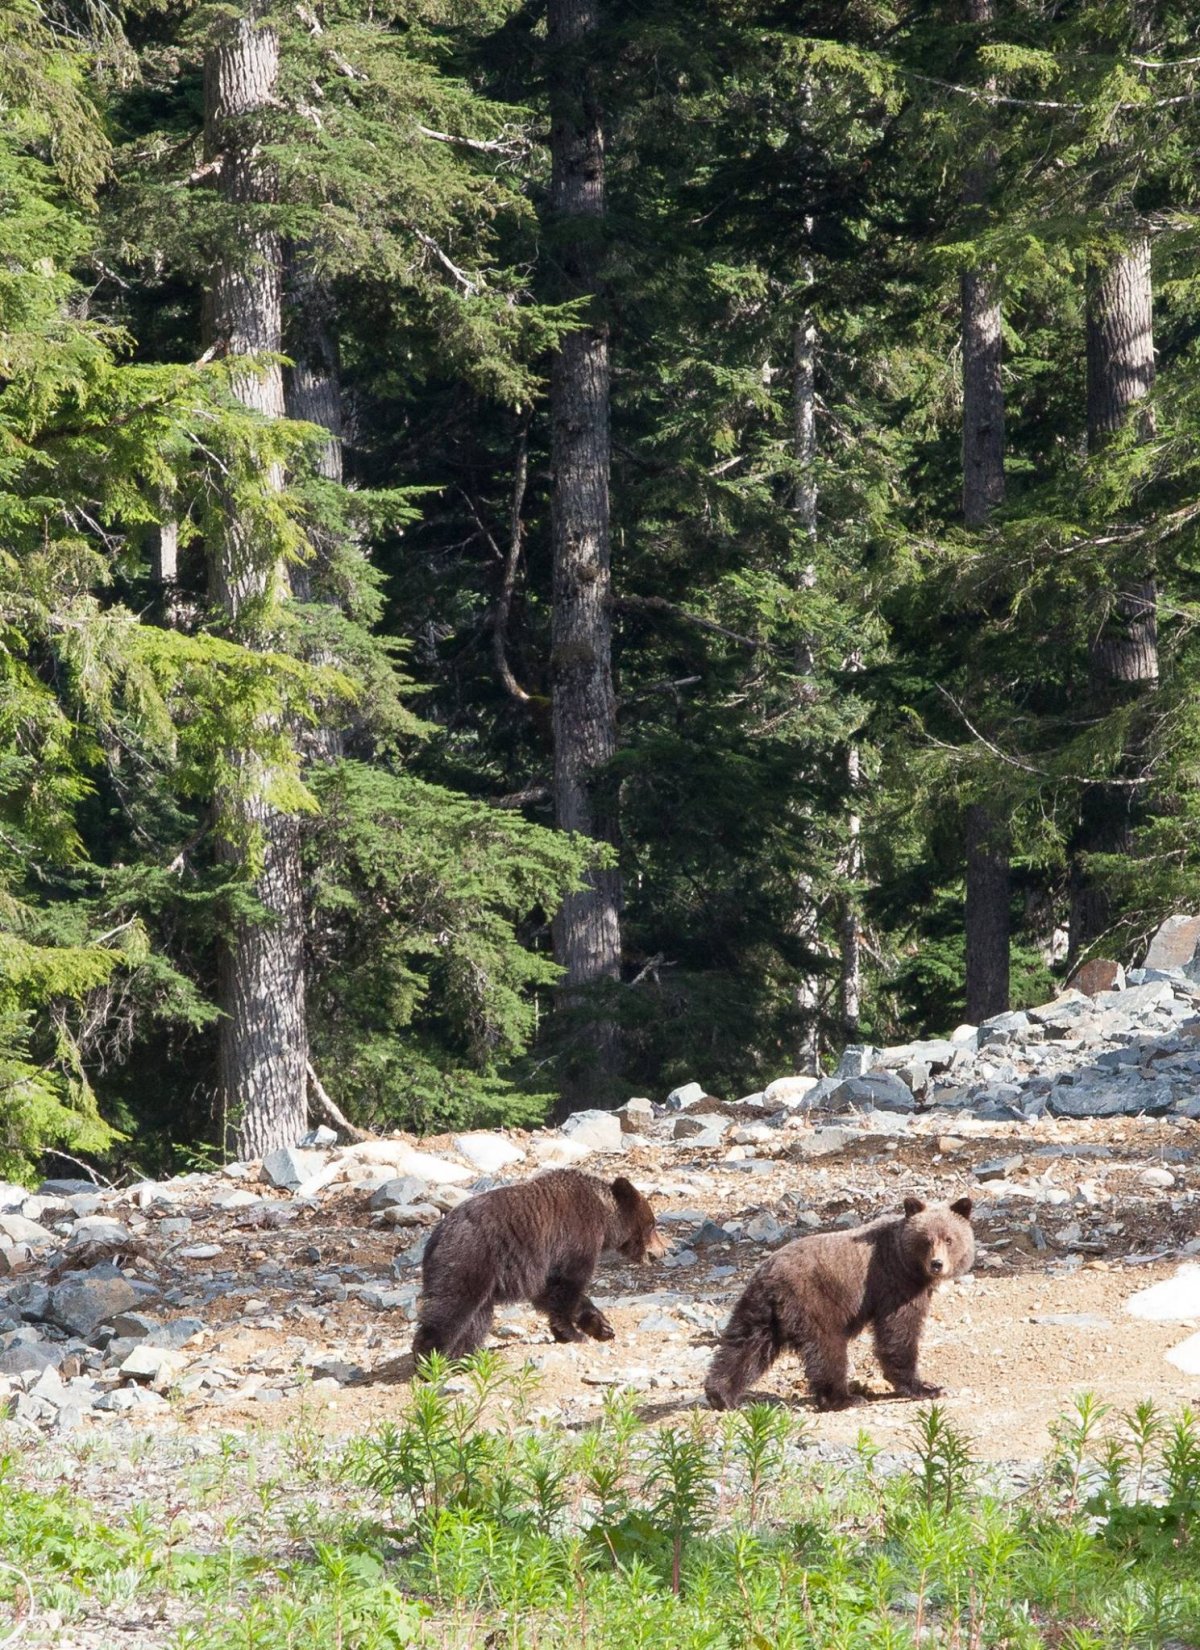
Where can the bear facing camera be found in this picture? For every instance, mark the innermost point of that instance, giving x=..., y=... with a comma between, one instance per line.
x=816, y=1294
x=537, y=1241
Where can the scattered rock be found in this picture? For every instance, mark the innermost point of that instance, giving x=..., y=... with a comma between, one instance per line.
x=555, y=1151
x=489, y=1152
x=1162, y=1179
x=765, y=1228
x=690, y=1128
x=754, y=1134
x=1072, y=1320
x=156, y=1364
x=822, y=1142
x=16, y=1229
x=856, y=1061
x=85, y=1300
x=600, y=1131
x=289, y=1167
x=1097, y=975
x=398, y=1192
x=317, y=1139
x=337, y=1369
x=1003, y=1029
x=1175, y=1300
x=1186, y=1356
x=1175, y=944
x=880, y=1090
x=687, y=1094
x=999, y=1168
x=791, y=1093
x=636, y=1115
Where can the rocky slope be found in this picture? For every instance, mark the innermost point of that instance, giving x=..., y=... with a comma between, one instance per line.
x=266, y=1289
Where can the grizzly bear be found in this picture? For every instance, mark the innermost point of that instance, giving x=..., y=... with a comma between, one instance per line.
x=817, y=1293
x=537, y=1241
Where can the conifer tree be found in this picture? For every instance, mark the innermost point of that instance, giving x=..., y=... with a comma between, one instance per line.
x=588, y=927
x=986, y=907
x=263, y=1038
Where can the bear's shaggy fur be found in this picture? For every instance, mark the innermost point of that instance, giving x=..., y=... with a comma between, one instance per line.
x=816, y=1294
x=537, y=1241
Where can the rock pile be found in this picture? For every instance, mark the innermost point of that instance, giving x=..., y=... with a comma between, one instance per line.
x=1072, y=1124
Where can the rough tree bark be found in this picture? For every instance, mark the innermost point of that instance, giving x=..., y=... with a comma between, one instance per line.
x=986, y=915
x=263, y=1045
x=1124, y=649
x=804, y=503
x=850, y=920
x=587, y=930
x=1123, y=654
x=312, y=393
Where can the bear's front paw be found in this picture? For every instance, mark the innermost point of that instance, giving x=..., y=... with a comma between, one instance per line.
x=921, y=1389
x=839, y=1400
x=565, y=1332
x=597, y=1326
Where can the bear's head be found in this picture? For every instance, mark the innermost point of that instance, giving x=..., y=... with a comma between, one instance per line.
x=938, y=1240
x=634, y=1234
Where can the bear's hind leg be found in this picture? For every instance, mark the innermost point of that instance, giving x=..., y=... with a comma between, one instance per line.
x=451, y=1326
x=827, y=1365
x=749, y=1346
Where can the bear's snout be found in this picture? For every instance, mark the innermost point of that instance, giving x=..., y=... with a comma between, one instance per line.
x=936, y=1264
x=656, y=1246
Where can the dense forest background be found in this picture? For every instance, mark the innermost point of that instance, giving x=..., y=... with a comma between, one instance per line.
x=549, y=549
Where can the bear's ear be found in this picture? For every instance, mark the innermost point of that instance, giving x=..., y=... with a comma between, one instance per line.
x=962, y=1206
x=912, y=1206
x=626, y=1193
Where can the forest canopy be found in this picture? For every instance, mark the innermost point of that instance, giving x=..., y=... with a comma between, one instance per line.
x=548, y=550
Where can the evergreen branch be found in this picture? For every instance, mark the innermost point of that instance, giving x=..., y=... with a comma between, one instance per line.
x=486, y=146
x=518, y=799
x=660, y=604
x=667, y=685
x=1158, y=63
x=325, y=1107
x=509, y=580
x=94, y=1174
x=102, y=939
x=1019, y=763
x=470, y=286
x=651, y=966
x=981, y=94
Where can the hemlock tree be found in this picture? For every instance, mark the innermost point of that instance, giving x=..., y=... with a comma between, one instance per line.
x=986, y=908
x=1123, y=646
x=262, y=1055
x=587, y=929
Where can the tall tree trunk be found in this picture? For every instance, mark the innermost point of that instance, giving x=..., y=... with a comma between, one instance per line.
x=850, y=919
x=312, y=394
x=986, y=915
x=1124, y=648
x=804, y=502
x=263, y=1045
x=587, y=930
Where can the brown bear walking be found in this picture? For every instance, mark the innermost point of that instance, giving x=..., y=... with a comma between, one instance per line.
x=816, y=1294
x=538, y=1241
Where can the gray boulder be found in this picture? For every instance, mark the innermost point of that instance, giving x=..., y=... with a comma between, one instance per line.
x=857, y=1059
x=600, y=1131
x=1004, y=1028
x=85, y=1300
x=399, y=1192
x=289, y=1167
x=880, y=1090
